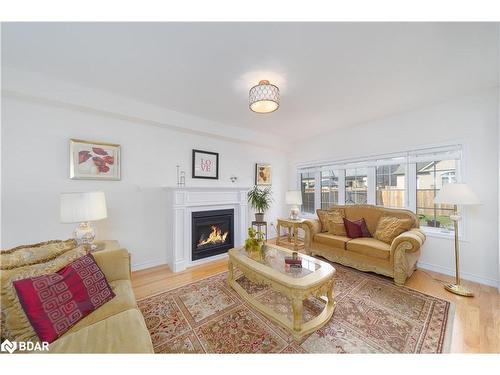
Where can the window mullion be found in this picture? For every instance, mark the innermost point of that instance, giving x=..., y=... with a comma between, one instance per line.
x=371, y=196
x=411, y=186
x=341, y=182
x=317, y=190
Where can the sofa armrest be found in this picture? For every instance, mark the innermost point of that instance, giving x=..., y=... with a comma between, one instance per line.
x=314, y=226
x=405, y=251
x=114, y=263
x=412, y=240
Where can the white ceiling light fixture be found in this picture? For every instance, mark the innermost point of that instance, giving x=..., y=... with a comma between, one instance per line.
x=264, y=98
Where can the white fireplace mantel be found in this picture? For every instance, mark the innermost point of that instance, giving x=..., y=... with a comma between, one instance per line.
x=183, y=201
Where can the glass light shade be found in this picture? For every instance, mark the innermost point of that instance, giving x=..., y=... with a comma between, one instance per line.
x=293, y=197
x=83, y=207
x=264, y=98
x=456, y=194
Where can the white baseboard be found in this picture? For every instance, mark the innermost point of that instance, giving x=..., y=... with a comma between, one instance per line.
x=464, y=275
x=148, y=264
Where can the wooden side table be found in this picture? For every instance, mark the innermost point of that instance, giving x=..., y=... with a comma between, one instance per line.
x=107, y=245
x=293, y=230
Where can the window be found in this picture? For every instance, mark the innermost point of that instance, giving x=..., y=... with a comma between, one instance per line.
x=307, y=187
x=356, y=186
x=431, y=176
x=408, y=180
x=329, y=188
x=391, y=185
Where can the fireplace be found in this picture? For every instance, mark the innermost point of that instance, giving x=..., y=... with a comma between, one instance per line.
x=212, y=233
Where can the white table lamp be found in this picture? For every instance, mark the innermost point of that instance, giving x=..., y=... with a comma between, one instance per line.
x=83, y=208
x=294, y=198
x=456, y=194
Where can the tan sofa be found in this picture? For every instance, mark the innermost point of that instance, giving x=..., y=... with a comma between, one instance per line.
x=116, y=327
x=396, y=260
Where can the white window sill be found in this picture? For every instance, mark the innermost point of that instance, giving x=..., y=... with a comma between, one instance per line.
x=440, y=233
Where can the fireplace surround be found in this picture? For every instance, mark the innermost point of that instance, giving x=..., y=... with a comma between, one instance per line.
x=182, y=202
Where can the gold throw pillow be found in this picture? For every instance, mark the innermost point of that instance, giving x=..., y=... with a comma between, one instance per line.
x=325, y=216
x=323, y=219
x=389, y=227
x=336, y=224
x=33, y=254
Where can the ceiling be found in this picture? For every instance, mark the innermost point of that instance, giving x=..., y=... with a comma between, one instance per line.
x=331, y=75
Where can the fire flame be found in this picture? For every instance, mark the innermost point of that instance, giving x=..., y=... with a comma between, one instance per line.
x=214, y=237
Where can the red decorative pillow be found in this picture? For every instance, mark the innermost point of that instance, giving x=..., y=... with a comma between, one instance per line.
x=356, y=229
x=57, y=301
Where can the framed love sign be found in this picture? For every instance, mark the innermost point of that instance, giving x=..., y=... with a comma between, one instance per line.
x=205, y=164
x=94, y=160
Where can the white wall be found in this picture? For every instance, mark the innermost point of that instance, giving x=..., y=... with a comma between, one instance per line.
x=470, y=120
x=35, y=136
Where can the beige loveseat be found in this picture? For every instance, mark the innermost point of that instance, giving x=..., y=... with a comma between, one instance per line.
x=116, y=327
x=396, y=260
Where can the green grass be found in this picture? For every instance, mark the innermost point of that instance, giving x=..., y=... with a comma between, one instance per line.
x=445, y=221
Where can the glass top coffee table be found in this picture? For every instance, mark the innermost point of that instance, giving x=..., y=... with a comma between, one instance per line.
x=315, y=278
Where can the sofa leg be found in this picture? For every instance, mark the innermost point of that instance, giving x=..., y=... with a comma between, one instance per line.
x=399, y=280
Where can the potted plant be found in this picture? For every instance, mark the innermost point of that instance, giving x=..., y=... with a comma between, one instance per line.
x=260, y=200
x=255, y=241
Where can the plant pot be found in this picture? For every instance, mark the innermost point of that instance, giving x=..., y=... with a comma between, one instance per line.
x=259, y=217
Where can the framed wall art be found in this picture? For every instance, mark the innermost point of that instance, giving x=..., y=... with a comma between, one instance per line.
x=263, y=174
x=205, y=164
x=94, y=160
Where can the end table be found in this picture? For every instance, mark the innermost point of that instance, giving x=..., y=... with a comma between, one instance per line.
x=293, y=230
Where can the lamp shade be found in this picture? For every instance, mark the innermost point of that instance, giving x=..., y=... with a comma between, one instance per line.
x=81, y=207
x=456, y=194
x=293, y=197
x=264, y=97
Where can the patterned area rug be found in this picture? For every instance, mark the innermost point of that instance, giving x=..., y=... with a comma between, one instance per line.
x=372, y=315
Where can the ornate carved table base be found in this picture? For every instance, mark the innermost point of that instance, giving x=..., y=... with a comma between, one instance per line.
x=321, y=287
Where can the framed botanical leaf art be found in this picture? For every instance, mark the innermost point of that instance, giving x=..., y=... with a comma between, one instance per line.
x=263, y=174
x=94, y=160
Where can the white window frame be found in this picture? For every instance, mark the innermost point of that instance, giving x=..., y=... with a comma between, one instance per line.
x=408, y=158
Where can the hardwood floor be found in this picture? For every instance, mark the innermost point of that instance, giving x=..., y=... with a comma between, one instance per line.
x=476, y=326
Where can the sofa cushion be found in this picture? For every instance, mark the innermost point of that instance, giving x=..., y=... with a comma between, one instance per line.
x=389, y=227
x=124, y=300
x=15, y=323
x=331, y=240
x=26, y=255
x=356, y=229
x=336, y=225
x=372, y=215
x=125, y=332
x=327, y=216
x=370, y=247
x=54, y=302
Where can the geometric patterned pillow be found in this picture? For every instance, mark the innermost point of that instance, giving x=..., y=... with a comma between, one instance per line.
x=56, y=301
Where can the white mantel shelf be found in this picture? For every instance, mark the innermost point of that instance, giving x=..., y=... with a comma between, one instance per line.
x=183, y=201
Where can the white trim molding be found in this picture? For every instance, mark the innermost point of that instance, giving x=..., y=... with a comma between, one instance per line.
x=464, y=275
x=182, y=202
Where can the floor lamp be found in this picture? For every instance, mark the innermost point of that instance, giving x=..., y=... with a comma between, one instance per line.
x=456, y=194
